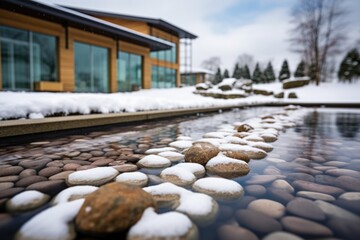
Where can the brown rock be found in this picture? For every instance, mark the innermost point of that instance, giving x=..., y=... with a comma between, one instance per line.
x=80, y=162
x=27, y=173
x=255, y=190
x=9, y=179
x=237, y=155
x=201, y=153
x=71, y=167
x=8, y=171
x=6, y=185
x=49, y=171
x=26, y=181
x=96, y=153
x=48, y=187
x=305, y=227
x=314, y=187
x=61, y=176
x=244, y=128
x=102, y=162
x=126, y=167
x=348, y=183
x=55, y=163
x=85, y=167
x=113, y=208
x=280, y=195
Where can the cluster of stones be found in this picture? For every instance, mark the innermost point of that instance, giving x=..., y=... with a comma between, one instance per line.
x=121, y=198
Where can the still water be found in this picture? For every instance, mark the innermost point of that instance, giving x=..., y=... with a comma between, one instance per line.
x=322, y=151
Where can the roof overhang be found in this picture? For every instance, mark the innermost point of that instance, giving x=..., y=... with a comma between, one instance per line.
x=158, y=23
x=71, y=18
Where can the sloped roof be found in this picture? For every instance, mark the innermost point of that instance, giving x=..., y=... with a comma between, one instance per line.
x=72, y=18
x=155, y=22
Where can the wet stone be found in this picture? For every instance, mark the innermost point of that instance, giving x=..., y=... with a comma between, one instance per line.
x=268, y=207
x=6, y=185
x=282, y=185
x=27, y=173
x=315, y=196
x=255, y=190
x=314, y=187
x=9, y=179
x=343, y=172
x=243, y=202
x=71, y=167
x=257, y=222
x=261, y=179
x=232, y=232
x=280, y=195
x=325, y=179
x=102, y=162
x=48, y=187
x=7, y=193
x=8, y=171
x=26, y=181
x=348, y=183
x=333, y=211
x=350, y=205
x=281, y=236
x=345, y=228
x=96, y=153
x=85, y=167
x=55, y=163
x=49, y=171
x=34, y=164
x=61, y=176
x=306, y=209
x=305, y=227
x=126, y=167
x=300, y=176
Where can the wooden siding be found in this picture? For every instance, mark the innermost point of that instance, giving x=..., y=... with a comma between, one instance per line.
x=134, y=25
x=49, y=86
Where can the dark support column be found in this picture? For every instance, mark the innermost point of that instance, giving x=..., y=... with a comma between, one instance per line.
x=66, y=36
x=117, y=47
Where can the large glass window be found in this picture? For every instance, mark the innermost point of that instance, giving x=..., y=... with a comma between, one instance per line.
x=91, y=68
x=166, y=55
x=162, y=77
x=27, y=57
x=188, y=79
x=129, y=72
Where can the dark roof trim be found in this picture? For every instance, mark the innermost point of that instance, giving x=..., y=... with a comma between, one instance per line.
x=159, y=23
x=64, y=16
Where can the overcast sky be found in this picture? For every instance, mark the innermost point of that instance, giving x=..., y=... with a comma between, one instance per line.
x=225, y=28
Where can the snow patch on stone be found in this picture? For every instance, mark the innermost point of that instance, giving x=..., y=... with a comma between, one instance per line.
x=65, y=195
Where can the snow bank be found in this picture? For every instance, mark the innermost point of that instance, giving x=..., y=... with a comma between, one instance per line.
x=22, y=104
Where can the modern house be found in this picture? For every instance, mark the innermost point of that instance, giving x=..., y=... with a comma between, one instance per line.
x=195, y=76
x=46, y=47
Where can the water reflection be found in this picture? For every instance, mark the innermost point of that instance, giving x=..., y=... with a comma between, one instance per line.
x=348, y=124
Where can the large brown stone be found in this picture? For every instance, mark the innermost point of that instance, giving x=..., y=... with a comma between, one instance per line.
x=305, y=227
x=49, y=171
x=35, y=164
x=8, y=171
x=201, y=153
x=112, y=208
x=48, y=187
x=310, y=186
x=244, y=128
x=237, y=155
x=26, y=181
x=231, y=232
x=306, y=209
x=348, y=183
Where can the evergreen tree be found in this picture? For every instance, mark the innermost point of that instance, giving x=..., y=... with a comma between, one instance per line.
x=300, y=70
x=284, y=72
x=226, y=74
x=269, y=74
x=246, y=72
x=237, y=72
x=257, y=75
x=350, y=66
x=218, y=77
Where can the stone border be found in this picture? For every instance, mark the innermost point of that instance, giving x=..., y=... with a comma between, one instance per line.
x=12, y=128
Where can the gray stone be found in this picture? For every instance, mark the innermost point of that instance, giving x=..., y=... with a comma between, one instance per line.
x=348, y=183
x=281, y=236
x=306, y=209
x=232, y=232
x=26, y=181
x=48, y=187
x=8, y=171
x=6, y=185
x=61, y=176
x=27, y=173
x=314, y=187
x=268, y=207
x=49, y=171
x=332, y=211
x=315, y=196
x=255, y=190
x=35, y=164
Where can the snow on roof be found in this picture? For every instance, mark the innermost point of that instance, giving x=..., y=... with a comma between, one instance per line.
x=94, y=19
x=196, y=70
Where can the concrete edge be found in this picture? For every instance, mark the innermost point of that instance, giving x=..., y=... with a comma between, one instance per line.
x=12, y=128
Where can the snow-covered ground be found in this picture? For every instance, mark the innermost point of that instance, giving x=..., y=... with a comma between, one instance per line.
x=37, y=105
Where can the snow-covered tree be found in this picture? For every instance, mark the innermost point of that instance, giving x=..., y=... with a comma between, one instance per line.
x=300, y=70
x=218, y=77
x=284, y=72
x=269, y=73
x=226, y=74
x=237, y=72
x=257, y=75
x=246, y=72
x=350, y=66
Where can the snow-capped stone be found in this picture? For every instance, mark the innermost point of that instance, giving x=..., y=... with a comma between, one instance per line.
x=254, y=138
x=268, y=137
x=185, y=138
x=181, y=144
x=172, y=156
x=226, y=167
x=178, y=176
x=26, y=201
x=170, y=225
x=94, y=176
x=216, y=134
x=235, y=140
x=73, y=193
x=153, y=161
x=261, y=145
x=159, y=150
x=201, y=153
x=253, y=153
x=133, y=178
x=214, y=141
x=52, y=223
x=197, y=169
x=219, y=188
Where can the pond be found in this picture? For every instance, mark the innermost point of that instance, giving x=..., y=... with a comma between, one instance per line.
x=307, y=186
